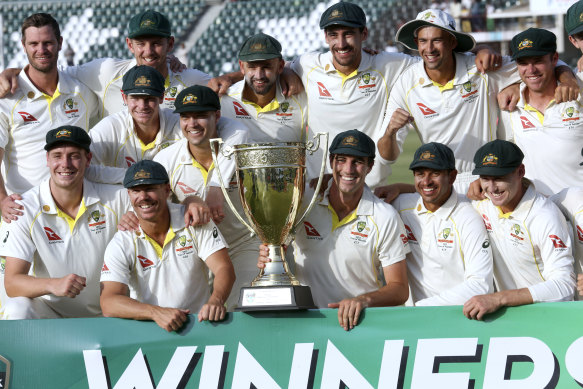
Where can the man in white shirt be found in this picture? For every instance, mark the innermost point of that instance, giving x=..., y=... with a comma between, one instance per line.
x=532, y=249
x=164, y=261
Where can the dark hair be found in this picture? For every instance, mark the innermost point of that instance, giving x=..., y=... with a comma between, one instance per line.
x=578, y=36
x=40, y=20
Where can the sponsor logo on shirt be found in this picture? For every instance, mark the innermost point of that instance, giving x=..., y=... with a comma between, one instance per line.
x=104, y=268
x=52, y=236
x=145, y=262
x=557, y=242
x=324, y=94
x=526, y=123
x=240, y=112
x=404, y=239
x=129, y=161
x=426, y=111
x=486, y=244
x=28, y=118
x=8, y=234
x=410, y=236
x=185, y=188
x=311, y=232
x=579, y=234
x=487, y=223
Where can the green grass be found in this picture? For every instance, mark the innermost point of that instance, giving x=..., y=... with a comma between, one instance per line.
x=401, y=172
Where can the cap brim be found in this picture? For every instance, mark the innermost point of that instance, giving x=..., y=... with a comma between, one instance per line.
x=351, y=151
x=576, y=30
x=149, y=32
x=493, y=171
x=342, y=23
x=198, y=108
x=428, y=164
x=58, y=143
x=530, y=53
x=259, y=57
x=144, y=92
x=406, y=35
x=145, y=181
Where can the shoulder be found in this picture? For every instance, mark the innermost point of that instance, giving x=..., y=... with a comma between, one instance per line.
x=232, y=130
x=193, y=77
x=170, y=153
x=569, y=199
x=110, y=123
x=405, y=201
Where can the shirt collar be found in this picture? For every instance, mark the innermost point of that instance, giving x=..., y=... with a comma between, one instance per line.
x=64, y=85
x=461, y=72
x=525, y=204
x=442, y=212
x=48, y=206
x=365, y=205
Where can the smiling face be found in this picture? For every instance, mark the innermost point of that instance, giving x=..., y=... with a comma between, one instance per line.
x=143, y=109
x=435, y=46
x=42, y=48
x=345, y=43
x=538, y=73
x=505, y=191
x=199, y=127
x=434, y=186
x=151, y=50
x=261, y=76
x=349, y=173
x=67, y=164
x=149, y=201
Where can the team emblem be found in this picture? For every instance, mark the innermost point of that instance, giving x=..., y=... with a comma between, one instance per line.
x=189, y=99
x=335, y=14
x=360, y=226
x=570, y=111
x=69, y=103
x=142, y=81
x=172, y=91
x=95, y=215
x=427, y=156
x=284, y=106
x=516, y=229
x=581, y=17
x=182, y=240
x=525, y=44
x=142, y=174
x=349, y=141
x=63, y=133
x=468, y=86
x=4, y=373
x=366, y=78
x=445, y=233
x=490, y=159
x=257, y=47
x=147, y=24
x=427, y=16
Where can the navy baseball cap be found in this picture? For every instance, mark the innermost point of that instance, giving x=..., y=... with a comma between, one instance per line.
x=353, y=142
x=67, y=134
x=497, y=158
x=145, y=172
x=433, y=156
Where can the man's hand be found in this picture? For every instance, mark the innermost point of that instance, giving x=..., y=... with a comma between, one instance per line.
x=170, y=319
x=263, y=256
x=9, y=81
x=566, y=92
x=69, y=286
x=175, y=65
x=349, y=311
x=10, y=208
x=370, y=51
x=475, y=191
x=197, y=211
x=580, y=284
x=129, y=222
x=508, y=97
x=580, y=64
x=478, y=306
x=213, y=310
x=399, y=119
x=391, y=192
x=220, y=84
x=290, y=82
x=216, y=202
x=487, y=59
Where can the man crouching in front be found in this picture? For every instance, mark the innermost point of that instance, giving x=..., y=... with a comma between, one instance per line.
x=165, y=260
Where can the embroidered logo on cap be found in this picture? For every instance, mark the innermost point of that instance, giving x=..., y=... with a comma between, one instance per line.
x=63, y=133
x=189, y=99
x=349, y=141
x=142, y=174
x=490, y=159
x=525, y=44
x=142, y=81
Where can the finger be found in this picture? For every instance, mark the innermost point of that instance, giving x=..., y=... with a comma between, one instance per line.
x=357, y=315
x=333, y=305
x=351, y=315
x=14, y=81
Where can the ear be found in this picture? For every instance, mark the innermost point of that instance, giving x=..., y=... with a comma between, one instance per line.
x=89, y=156
x=125, y=98
x=554, y=58
x=60, y=43
x=170, y=44
x=452, y=176
x=521, y=170
x=364, y=34
x=281, y=66
x=217, y=115
x=130, y=44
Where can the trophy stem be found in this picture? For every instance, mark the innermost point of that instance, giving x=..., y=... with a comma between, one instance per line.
x=276, y=272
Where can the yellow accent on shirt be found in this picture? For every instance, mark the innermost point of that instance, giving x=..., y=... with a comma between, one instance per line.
x=445, y=87
x=502, y=215
x=50, y=100
x=146, y=147
x=272, y=106
x=169, y=237
x=346, y=77
x=540, y=116
x=203, y=171
x=339, y=223
x=70, y=221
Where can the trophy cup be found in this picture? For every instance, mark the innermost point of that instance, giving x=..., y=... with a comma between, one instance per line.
x=271, y=187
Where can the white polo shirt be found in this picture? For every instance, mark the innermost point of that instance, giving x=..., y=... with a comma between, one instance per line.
x=114, y=141
x=338, y=103
x=462, y=114
x=551, y=142
x=104, y=76
x=344, y=259
x=57, y=245
x=189, y=178
x=531, y=247
x=173, y=276
x=27, y=116
x=451, y=258
x=570, y=202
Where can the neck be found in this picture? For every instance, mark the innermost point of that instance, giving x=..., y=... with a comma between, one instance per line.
x=445, y=73
x=158, y=228
x=343, y=203
x=68, y=200
x=147, y=132
x=44, y=82
x=511, y=206
x=347, y=69
x=202, y=154
x=540, y=99
x=260, y=100
x=163, y=71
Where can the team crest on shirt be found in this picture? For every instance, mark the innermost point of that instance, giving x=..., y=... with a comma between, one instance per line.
x=171, y=93
x=71, y=108
x=516, y=234
x=184, y=248
x=445, y=239
x=97, y=222
x=367, y=84
x=469, y=91
x=570, y=117
x=285, y=113
x=359, y=232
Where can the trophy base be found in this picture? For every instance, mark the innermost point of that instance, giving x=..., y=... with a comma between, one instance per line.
x=275, y=298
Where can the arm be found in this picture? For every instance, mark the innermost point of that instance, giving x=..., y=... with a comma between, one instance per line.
x=8, y=205
x=291, y=83
x=389, y=146
x=9, y=81
x=478, y=306
x=222, y=83
x=196, y=211
x=390, y=192
x=220, y=265
x=486, y=58
x=568, y=88
x=395, y=292
x=18, y=283
x=115, y=302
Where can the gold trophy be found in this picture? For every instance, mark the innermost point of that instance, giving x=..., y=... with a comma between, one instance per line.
x=271, y=179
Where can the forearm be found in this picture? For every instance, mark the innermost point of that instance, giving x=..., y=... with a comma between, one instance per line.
x=565, y=75
x=234, y=76
x=392, y=294
x=222, y=285
x=554, y=289
x=126, y=307
x=514, y=297
x=389, y=146
x=23, y=285
x=459, y=294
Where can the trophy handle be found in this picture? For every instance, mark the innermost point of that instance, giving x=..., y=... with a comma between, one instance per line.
x=311, y=147
x=227, y=151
